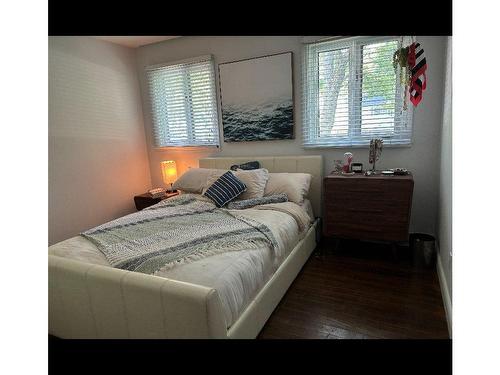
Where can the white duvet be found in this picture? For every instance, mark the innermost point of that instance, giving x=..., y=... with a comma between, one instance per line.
x=237, y=276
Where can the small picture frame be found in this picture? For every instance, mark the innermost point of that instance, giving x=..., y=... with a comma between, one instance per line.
x=357, y=167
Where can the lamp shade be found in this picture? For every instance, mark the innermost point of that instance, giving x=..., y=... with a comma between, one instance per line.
x=169, y=171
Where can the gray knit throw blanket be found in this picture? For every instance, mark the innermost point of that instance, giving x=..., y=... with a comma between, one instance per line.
x=175, y=231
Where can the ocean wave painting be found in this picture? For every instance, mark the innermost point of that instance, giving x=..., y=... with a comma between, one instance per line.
x=257, y=99
x=258, y=123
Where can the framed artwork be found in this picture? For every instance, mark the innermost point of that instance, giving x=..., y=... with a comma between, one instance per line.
x=257, y=98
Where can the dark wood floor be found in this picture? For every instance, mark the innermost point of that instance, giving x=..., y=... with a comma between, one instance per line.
x=360, y=291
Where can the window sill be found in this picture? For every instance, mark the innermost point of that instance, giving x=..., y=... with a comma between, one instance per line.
x=184, y=148
x=386, y=145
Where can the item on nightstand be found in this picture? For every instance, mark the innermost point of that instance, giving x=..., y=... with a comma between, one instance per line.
x=375, y=151
x=157, y=192
x=357, y=167
x=347, y=162
x=169, y=173
x=388, y=173
x=337, y=166
x=400, y=171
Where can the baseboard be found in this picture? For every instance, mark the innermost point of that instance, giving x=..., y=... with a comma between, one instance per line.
x=445, y=293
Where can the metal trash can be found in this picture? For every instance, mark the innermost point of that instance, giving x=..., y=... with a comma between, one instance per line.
x=423, y=249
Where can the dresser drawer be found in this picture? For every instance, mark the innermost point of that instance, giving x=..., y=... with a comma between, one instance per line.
x=376, y=205
x=392, y=215
x=367, y=231
x=371, y=190
x=384, y=197
x=368, y=187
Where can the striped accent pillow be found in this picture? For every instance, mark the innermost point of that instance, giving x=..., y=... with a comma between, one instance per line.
x=226, y=188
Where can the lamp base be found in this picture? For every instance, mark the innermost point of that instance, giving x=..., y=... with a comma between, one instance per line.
x=171, y=189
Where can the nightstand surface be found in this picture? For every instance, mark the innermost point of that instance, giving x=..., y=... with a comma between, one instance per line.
x=361, y=176
x=145, y=200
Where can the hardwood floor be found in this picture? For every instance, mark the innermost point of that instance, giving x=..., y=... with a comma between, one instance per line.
x=359, y=291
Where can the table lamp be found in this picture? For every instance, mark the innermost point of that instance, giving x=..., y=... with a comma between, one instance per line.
x=169, y=172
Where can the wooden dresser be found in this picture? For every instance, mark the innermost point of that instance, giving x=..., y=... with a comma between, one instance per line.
x=367, y=207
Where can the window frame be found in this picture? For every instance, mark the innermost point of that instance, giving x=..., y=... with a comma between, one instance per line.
x=188, y=109
x=311, y=115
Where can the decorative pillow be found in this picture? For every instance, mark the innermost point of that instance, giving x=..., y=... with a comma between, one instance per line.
x=194, y=180
x=247, y=203
x=255, y=180
x=226, y=188
x=246, y=166
x=294, y=185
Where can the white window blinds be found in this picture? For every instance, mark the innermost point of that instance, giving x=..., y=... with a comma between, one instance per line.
x=183, y=103
x=352, y=94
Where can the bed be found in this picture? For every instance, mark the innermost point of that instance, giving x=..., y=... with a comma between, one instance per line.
x=90, y=299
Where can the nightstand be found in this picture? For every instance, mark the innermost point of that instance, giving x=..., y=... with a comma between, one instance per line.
x=145, y=200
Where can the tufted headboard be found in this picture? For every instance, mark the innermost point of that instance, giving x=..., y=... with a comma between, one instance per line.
x=306, y=164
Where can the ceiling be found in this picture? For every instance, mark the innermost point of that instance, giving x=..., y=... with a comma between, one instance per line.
x=135, y=41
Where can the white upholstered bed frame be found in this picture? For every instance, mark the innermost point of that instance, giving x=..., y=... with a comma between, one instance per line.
x=94, y=301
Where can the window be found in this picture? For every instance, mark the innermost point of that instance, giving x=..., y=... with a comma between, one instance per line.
x=183, y=103
x=352, y=94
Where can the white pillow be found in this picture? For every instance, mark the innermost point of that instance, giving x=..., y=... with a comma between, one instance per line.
x=194, y=180
x=254, y=179
x=294, y=185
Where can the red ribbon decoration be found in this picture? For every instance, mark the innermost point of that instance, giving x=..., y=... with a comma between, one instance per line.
x=418, y=78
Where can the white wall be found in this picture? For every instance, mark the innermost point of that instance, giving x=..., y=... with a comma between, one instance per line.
x=97, y=149
x=422, y=158
x=444, y=219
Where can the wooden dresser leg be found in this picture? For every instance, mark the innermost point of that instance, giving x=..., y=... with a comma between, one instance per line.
x=318, y=252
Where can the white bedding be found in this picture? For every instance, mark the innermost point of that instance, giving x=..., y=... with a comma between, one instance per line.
x=307, y=206
x=237, y=276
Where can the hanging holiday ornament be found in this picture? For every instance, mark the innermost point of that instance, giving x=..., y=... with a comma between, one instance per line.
x=418, y=66
x=411, y=64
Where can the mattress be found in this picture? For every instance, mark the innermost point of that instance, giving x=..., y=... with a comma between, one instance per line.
x=237, y=276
